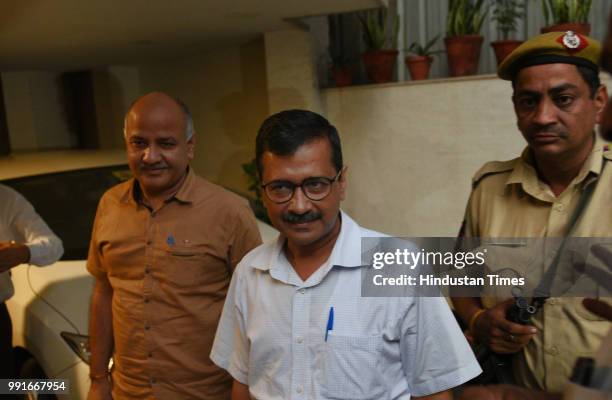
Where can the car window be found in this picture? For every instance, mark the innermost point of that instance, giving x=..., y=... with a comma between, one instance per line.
x=67, y=201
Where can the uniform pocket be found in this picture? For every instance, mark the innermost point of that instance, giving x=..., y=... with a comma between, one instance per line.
x=351, y=369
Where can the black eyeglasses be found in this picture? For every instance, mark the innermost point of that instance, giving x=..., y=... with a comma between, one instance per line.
x=316, y=188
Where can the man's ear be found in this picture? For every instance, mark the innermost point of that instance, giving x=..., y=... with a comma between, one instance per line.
x=191, y=146
x=601, y=99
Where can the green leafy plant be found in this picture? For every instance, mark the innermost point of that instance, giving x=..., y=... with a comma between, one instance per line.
x=506, y=13
x=378, y=32
x=562, y=11
x=416, y=49
x=250, y=170
x=465, y=17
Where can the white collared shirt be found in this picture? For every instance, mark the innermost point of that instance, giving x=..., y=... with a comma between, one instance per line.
x=19, y=222
x=271, y=335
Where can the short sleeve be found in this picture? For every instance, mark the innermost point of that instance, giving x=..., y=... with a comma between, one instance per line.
x=469, y=227
x=435, y=354
x=95, y=265
x=245, y=236
x=230, y=349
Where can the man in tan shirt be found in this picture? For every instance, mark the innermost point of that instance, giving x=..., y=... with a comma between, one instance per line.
x=558, y=100
x=163, y=249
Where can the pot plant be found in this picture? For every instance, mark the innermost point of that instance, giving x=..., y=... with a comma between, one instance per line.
x=419, y=62
x=463, y=40
x=566, y=15
x=506, y=13
x=254, y=182
x=341, y=74
x=380, y=38
x=341, y=66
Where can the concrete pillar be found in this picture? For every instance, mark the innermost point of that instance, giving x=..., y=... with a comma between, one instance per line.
x=291, y=71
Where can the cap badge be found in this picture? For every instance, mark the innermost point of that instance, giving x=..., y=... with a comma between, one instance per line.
x=572, y=41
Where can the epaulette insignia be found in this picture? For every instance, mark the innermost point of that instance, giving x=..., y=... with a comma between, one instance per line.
x=491, y=168
x=607, y=152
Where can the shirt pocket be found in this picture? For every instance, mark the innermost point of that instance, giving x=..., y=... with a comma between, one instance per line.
x=351, y=368
x=186, y=266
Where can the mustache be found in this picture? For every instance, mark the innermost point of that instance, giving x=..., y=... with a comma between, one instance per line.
x=150, y=167
x=556, y=129
x=294, y=218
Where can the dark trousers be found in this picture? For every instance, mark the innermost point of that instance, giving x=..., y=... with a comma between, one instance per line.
x=6, y=343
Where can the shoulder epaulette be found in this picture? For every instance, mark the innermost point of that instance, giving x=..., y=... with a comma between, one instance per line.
x=492, y=168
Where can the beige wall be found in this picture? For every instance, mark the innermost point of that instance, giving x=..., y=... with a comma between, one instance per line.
x=412, y=149
x=226, y=93
x=291, y=71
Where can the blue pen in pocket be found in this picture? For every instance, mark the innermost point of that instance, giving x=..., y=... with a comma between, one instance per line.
x=330, y=322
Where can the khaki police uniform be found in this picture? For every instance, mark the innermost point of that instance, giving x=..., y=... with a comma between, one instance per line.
x=508, y=200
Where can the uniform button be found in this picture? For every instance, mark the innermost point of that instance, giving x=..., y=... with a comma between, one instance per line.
x=300, y=339
x=559, y=207
x=553, y=350
x=302, y=291
x=299, y=389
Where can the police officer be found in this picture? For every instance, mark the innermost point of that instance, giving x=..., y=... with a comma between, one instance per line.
x=558, y=99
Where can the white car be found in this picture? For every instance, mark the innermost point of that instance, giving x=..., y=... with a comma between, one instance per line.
x=50, y=308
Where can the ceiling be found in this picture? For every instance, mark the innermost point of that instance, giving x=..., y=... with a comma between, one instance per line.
x=72, y=34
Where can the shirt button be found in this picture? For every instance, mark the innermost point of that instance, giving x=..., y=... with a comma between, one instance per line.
x=152, y=381
x=150, y=354
x=300, y=339
x=147, y=269
x=559, y=207
x=553, y=350
x=302, y=291
x=552, y=302
x=147, y=327
x=146, y=300
x=299, y=389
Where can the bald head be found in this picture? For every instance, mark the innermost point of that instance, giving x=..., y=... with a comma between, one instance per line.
x=158, y=149
x=156, y=102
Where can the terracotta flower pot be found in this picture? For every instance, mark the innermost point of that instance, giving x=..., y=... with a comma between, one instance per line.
x=503, y=48
x=342, y=76
x=463, y=53
x=379, y=65
x=418, y=66
x=583, y=29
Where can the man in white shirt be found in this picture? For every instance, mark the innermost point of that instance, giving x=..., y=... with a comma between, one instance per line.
x=294, y=324
x=24, y=238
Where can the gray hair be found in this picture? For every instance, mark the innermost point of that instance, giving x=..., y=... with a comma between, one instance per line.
x=183, y=107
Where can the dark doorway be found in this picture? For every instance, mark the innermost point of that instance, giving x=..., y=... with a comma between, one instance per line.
x=5, y=140
x=81, y=108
